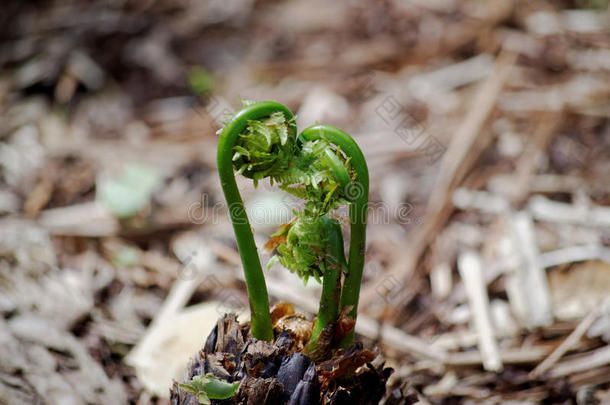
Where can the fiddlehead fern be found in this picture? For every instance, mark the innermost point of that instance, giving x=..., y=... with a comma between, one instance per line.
x=325, y=167
x=265, y=148
x=237, y=127
x=357, y=192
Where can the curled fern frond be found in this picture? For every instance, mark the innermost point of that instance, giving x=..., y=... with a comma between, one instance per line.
x=259, y=161
x=265, y=148
x=303, y=248
x=323, y=172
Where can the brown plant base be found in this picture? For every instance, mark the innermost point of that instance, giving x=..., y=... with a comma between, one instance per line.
x=280, y=372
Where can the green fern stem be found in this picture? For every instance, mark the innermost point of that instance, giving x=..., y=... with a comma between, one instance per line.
x=358, y=194
x=334, y=266
x=255, y=281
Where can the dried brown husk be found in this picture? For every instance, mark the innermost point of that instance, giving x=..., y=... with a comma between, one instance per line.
x=279, y=372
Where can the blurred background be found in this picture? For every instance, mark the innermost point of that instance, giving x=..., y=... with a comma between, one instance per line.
x=486, y=129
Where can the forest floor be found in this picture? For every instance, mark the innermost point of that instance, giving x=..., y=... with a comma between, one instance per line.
x=486, y=127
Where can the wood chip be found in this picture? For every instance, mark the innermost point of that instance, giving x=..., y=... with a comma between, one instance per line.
x=544, y=209
x=469, y=266
x=529, y=278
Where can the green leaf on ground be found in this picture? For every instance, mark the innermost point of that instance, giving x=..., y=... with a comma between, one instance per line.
x=207, y=387
x=125, y=195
